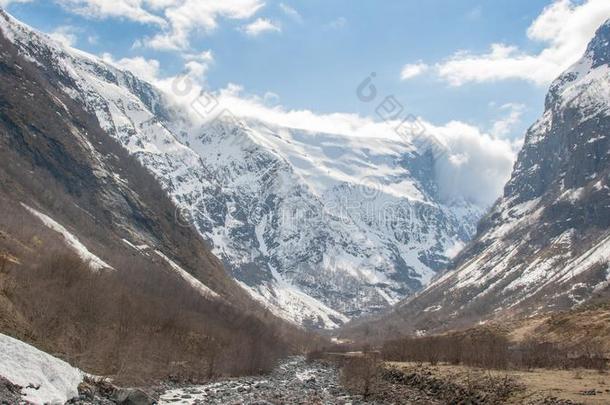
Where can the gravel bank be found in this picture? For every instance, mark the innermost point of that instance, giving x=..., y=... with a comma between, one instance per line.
x=293, y=382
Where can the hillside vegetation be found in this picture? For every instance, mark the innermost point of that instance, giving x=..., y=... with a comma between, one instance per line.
x=161, y=304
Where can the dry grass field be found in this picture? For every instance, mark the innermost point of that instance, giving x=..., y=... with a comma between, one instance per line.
x=574, y=385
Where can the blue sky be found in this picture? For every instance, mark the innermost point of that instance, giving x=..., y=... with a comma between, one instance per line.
x=312, y=54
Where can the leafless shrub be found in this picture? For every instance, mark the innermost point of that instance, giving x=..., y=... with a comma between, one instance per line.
x=490, y=350
x=140, y=322
x=315, y=354
x=361, y=374
x=3, y=262
x=501, y=388
x=590, y=356
x=474, y=386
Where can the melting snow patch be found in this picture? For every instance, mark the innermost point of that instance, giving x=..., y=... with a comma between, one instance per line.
x=287, y=301
x=604, y=284
x=599, y=253
x=47, y=380
x=599, y=186
x=94, y=262
x=433, y=308
x=572, y=195
x=452, y=251
x=196, y=284
x=139, y=248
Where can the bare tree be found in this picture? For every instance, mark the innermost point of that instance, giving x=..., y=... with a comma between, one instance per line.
x=361, y=373
x=3, y=263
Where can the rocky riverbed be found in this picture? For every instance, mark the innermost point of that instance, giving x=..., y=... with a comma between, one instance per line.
x=293, y=382
x=297, y=381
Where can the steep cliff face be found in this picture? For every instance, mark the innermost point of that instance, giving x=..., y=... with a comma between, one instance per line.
x=294, y=222
x=61, y=175
x=319, y=227
x=92, y=263
x=545, y=245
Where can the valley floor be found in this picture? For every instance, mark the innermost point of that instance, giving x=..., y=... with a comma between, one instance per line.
x=297, y=381
x=293, y=382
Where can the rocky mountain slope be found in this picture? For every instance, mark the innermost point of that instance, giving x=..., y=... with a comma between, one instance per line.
x=545, y=245
x=59, y=167
x=92, y=265
x=319, y=227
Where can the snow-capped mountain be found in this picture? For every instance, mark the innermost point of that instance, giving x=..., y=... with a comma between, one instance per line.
x=344, y=221
x=320, y=227
x=545, y=245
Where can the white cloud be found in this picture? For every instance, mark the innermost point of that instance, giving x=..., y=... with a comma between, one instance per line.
x=475, y=167
x=194, y=73
x=129, y=9
x=291, y=12
x=505, y=125
x=205, y=57
x=454, y=250
x=177, y=19
x=161, y=4
x=337, y=24
x=196, y=69
x=565, y=27
x=260, y=26
x=6, y=3
x=198, y=15
x=271, y=98
x=413, y=70
x=147, y=69
x=65, y=35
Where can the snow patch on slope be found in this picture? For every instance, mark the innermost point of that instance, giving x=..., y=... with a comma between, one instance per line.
x=196, y=284
x=72, y=241
x=289, y=302
x=46, y=379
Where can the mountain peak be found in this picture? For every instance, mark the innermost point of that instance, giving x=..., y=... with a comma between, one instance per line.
x=598, y=49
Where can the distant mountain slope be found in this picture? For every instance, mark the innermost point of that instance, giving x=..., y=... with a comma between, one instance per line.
x=545, y=245
x=319, y=227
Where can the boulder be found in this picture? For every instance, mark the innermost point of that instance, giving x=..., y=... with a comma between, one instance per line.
x=129, y=396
